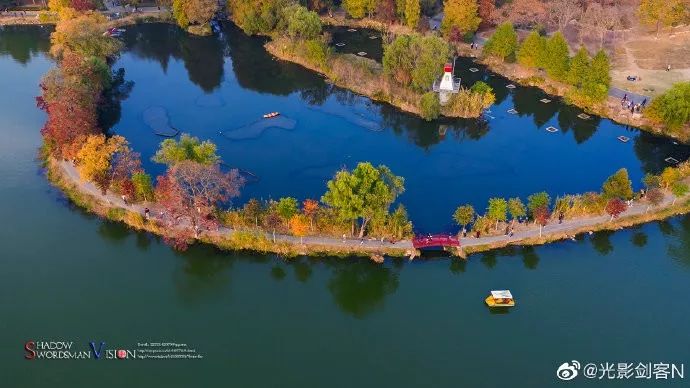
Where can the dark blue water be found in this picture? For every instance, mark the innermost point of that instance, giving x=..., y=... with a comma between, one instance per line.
x=264, y=321
x=212, y=85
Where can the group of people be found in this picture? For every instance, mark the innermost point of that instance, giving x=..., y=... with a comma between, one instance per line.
x=627, y=103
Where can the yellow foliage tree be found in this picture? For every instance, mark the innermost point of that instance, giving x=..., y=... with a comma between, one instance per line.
x=661, y=12
x=94, y=157
x=461, y=14
x=299, y=226
x=83, y=35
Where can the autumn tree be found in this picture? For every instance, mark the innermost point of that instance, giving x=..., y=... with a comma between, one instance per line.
x=526, y=13
x=461, y=14
x=661, y=12
x=655, y=197
x=143, y=187
x=310, y=207
x=486, y=12
x=357, y=9
x=94, y=159
x=531, y=52
x=299, y=226
x=362, y=194
x=502, y=43
x=253, y=209
x=386, y=11
x=173, y=151
x=83, y=35
x=678, y=189
x=190, y=193
x=615, y=207
x=412, y=12
x=463, y=215
x=618, y=185
x=541, y=216
x=286, y=208
x=536, y=201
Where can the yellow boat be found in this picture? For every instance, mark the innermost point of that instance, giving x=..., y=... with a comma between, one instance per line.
x=500, y=298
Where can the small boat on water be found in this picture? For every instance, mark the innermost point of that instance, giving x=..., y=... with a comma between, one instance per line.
x=271, y=115
x=500, y=298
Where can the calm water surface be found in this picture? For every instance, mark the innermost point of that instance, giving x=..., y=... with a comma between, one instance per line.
x=264, y=322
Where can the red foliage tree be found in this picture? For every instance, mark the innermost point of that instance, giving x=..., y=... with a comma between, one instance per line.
x=455, y=35
x=541, y=217
x=82, y=5
x=385, y=11
x=486, y=12
x=190, y=192
x=615, y=207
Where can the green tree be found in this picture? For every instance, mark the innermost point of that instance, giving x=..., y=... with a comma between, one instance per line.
x=461, y=14
x=579, y=68
x=252, y=210
x=618, y=185
x=430, y=106
x=172, y=151
x=463, y=215
x=143, y=187
x=503, y=42
x=601, y=70
x=651, y=181
x=286, y=208
x=497, y=210
x=661, y=12
x=538, y=200
x=516, y=208
x=358, y=8
x=556, y=58
x=398, y=224
x=678, y=189
x=83, y=35
x=673, y=107
x=302, y=23
x=414, y=60
x=412, y=12
x=365, y=193
x=532, y=49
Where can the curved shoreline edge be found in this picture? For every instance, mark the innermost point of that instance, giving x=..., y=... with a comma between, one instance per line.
x=63, y=175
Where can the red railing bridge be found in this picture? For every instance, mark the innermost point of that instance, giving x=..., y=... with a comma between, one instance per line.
x=436, y=240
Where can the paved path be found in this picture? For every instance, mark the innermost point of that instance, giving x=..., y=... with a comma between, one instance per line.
x=373, y=245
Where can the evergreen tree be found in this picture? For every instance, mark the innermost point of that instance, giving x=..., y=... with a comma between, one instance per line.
x=579, y=68
x=532, y=49
x=600, y=70
x=503, y=42
x=557, y=59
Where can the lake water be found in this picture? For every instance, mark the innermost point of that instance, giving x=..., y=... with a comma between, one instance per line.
x=260, y=321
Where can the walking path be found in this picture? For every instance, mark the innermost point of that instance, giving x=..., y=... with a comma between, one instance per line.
x=371, y=245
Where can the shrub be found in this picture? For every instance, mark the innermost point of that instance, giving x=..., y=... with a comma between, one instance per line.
x=430, y=106
x=673, y=107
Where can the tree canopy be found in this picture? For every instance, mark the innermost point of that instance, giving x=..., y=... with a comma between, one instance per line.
x=461, y=15
x=618, y=185
x=673, y=107
x=191, y=148
x=532, y=50
x=414, y=60
x=365, y=193
x=503, y=42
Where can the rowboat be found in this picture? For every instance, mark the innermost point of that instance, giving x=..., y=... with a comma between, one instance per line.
x=271, y=115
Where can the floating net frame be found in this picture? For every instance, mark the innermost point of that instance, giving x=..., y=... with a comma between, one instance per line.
x=671, y=160
x=257, y=128
x=156, y=118
x=551, y=129
x=510, y=86
x=623, y=139
x=362, y=53
x=351, y=30
x=373, y=37
x=545, y=100
x=512, y=111
x=473, y=69
x=340, y=44
x=584, y=116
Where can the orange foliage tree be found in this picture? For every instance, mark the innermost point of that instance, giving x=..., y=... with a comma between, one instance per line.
x=299, y=226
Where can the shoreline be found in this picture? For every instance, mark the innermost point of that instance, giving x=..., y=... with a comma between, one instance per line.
x=63, y=175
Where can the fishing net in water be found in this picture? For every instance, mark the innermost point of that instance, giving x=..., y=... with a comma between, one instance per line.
x=156, y=117
x=257, y=128
x=209, y=101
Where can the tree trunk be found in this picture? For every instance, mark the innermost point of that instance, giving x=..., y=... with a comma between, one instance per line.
x=274, y=236
x=540, y=227
x=364, y=225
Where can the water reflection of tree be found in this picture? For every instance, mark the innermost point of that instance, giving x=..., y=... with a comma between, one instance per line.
x=679, y=248
x=202, y=56
x=530, y=259
x=652, y=150
x=601, y=241
x=23, y=42
x=526, y=102
x=110, y=109
x=360, y=287
x=582, y=129
x=201, y=274
x=113, y=231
